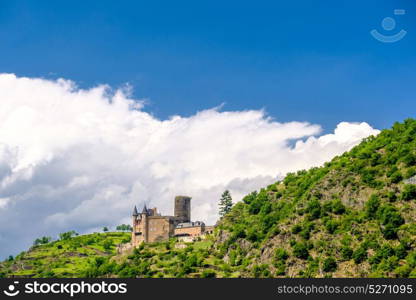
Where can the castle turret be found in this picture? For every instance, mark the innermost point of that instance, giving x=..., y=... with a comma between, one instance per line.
x=144, y=211
x=183, y=209
x=135, y=212
x=145, y=224
x=133, y=233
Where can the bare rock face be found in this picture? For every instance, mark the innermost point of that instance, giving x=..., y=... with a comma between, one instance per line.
x=411, y=180
x=222, y=236
x=180, y=246
x=122, y=248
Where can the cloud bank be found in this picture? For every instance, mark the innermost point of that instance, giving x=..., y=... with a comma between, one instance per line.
x=80, y=159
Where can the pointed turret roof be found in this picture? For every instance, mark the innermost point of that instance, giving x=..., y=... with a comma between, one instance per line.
x=144, y=211
x=135, y=212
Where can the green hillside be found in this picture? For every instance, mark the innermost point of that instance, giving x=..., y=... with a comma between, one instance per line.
x=353, y=217
x=68, y=257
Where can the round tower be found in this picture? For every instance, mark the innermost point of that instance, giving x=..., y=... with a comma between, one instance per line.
x=183, y=209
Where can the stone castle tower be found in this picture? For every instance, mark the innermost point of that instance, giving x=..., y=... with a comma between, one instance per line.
x=183, y=209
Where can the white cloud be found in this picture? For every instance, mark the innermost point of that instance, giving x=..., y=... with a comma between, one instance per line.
x=3, y=202
x=80, y=159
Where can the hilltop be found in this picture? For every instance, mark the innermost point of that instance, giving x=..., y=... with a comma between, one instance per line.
x=67, y=257
x=353, y=217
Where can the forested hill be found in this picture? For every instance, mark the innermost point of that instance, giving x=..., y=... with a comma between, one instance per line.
x=353, y=217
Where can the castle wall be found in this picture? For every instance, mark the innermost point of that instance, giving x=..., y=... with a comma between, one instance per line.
x=159, y=229
x=151, y=229
x=209, y=229
x=191, y=231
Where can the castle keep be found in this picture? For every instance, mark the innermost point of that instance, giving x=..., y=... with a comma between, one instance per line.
x=150, y=226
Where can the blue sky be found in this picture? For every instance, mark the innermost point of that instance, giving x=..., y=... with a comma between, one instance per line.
x=309, y=61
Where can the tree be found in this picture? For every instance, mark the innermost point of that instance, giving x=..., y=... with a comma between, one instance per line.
x=67, y=235
x=105, y=229
x=41, y=241
x=226, y=202
x=124, y=227
x=107, y=244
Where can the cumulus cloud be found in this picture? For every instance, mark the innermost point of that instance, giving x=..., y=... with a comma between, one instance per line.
x=80, y=159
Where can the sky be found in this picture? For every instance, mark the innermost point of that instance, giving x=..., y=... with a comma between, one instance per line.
x=304, y=60
x=105, y=104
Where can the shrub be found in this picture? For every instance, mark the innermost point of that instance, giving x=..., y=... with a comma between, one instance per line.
x=107, y=244
x=409, y=159
x=257, y=203
x=250, y=197
x=305, y=233
x=410, y=172
x=337, y=207
x=67, y=235
x=300, y=250
x=409, y=192
x=391, y=219
x=359, y=255
x=238, y=232
x=329, y=265
x=396, y=177
x=296, y=229
x=281, y=254
x=280, y=268
x=208, y=274
x=401, y=251
x=261, y=271
x=383, y=252
x=403, y=271
x=331, y=225
x=371, y=206
x=346, y=253
x=307, y=228
x=42, y=241
x=314, y=209
x=126, y=240
x=389, y=232
x=391, y=196
x=253, y=235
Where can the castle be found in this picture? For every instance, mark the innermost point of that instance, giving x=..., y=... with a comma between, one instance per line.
x=150, y=226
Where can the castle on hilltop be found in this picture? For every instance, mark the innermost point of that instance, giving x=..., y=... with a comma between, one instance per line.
x=150, y=226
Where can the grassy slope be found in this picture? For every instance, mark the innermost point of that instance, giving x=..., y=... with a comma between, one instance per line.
x=66, y=258
x=353, y=217
x=166, y=259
